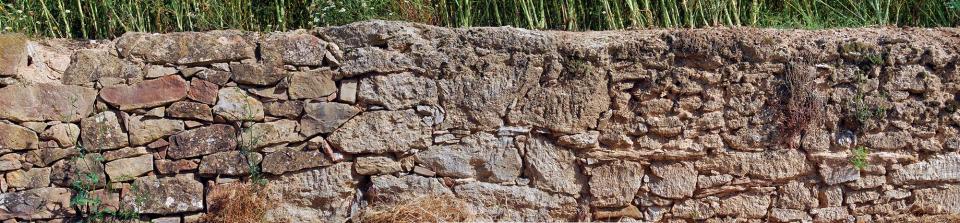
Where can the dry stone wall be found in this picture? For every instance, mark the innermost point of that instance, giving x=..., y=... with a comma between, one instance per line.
x=744, y=125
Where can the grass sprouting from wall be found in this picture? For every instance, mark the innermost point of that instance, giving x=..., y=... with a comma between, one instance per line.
x=110, y=18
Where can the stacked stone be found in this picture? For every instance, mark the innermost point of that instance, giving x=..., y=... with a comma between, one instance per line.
x=655, y=125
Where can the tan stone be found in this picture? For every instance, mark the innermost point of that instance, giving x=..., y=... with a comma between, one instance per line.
x=311, y=84
x=103, y=132
x=146, y=94
x=17, y=137
x=127, y=169
x=43, y=102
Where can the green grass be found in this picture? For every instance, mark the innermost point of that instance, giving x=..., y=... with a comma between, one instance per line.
x=110, y=18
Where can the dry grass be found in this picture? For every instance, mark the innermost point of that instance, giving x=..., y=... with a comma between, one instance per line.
x=236, y=202
x=438, y=208
x=799, y=106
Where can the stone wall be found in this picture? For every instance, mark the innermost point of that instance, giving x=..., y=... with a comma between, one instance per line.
x=652, y=125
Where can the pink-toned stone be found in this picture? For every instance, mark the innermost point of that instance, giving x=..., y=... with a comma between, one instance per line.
x=44, y=102
x=202, y=141
x=203, y=91
x=150, y=93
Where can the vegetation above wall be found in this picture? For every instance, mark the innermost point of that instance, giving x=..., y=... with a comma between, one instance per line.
x=110, y=18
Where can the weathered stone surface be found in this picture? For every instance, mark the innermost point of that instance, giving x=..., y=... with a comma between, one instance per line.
x=622, y=213
x=388, y=189
x=10, y=161
x=479, y=101
x=256, y=74
x=230, y=163
x=102, y=132
x=203, y=91
x=146, y=130
x=768, y=165
x=217, y=77
x=374, y=60
x=13, y=53
x=348, y=90
x=944, y=200
x=888, y=140
x=285, y=109
x=696, y=209
x=260, y=135
x=938, y=168
x=190, y=110
x=381, y=132
x=189, y=48
x=398, y=91
x=90, y=65
x=796, y=195
x=175, y=166
x=129, y=168
x=299, y=49
x=830, y=214
x=146, y=94
x=789, y=215
x=292, y=159
x=168, y=195
x=124, y=153
x=66, y=134
x=376, y=165
x=234, y=104
x=43, y=102
x=82, y=169
x=569, y=106
x=17, y=137
x=673, y=180
x=552, y=168
x=586, y=140
x=615, y=184
x=324, y=117
x=493, y=202
x=202, y=141
x=483, y=156
x=29, y=179
x=155, y=71
x=36, y=204
x=318, y=195
x=838, y=172
x=311, y=84
x=745, y=205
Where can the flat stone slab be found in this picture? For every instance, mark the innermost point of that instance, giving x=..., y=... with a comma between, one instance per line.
x=46, y=102
x=187, y=47
x=147, y=94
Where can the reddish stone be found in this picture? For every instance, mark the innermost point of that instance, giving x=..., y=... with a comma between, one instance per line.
x=203, y=91
x=150, y=93
x=175, y=166
x=190, y=110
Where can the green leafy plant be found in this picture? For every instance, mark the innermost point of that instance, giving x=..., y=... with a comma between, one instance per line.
x=858, y=157
x=89, y=207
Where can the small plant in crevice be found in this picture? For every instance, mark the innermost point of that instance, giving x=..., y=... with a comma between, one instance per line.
x=860, y=112
x=858, y=157
x=89, y=207
x=799, y=106
x=256, y=174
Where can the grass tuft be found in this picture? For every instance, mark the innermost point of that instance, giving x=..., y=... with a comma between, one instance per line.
x=236, y=202
x=436, y=208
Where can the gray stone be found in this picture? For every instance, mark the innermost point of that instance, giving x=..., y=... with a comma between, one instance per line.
x=260, y=135
x=102, y=132
x=789, y=215
x=745, y=205
x=830, y=214
x=311, y=84
x=293, y=159
x=937, y=168
x=129, y=168
x=796, y=195
x=188, y=48
x=552, y=168
x=479, y=101
x=146, y=130
x=229, y=163
x=390, y=190
x=673, y=180
x=294, y=48
x=317, y=195
x=90, y=65
x=838, y=172
x=493, y=202
x=569, y=105
x=374, y=60
x=615, y=184
x=775, y=165
x=348, y=90
x=284, y=109
x=376, y=165
x=168, y=195
x=155, y=71
x=256, y=74
x=398, y=91
x=190, y=110
x=10, y=161
x=481, y=155
x=324, y=117
x=15, y=137
x=234, y=104
x=202, y=141
x=36, y=204
x=381, y=132
x=44, y=102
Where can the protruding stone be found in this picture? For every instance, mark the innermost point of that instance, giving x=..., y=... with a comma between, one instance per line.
x=285, y=109
x=311, y=84
x=586, y=140
x=256, y=74
x=944, y=200
x=202, y=141
x=15, y=137
x=768, y=165
x=376, y=165
x=155, y=71
x=187, y=48
x=260, y=135
x=673, y=180
x=36, y=204
x=145, y=130
x=296, y=48
x=937, y=168
x=146, y=94
x=175, y=166
x=301, y=197
x=230, y=163
x=29, y=179
x=124, y=153
x=203, y=91
x=91, y=65
x=398, y=91
x=10, y=161
x=381, y=132
x=44, y=102
x=190, y=110
x=552, y=168
x=324, y=117
x=129, y=168
x=292, y=159
x=348, y=90
x=168, y=195
x=615, y=184
x=838, y=172
x=480, y=155
x=745, y=205
x=234, y=104
x=102, y=132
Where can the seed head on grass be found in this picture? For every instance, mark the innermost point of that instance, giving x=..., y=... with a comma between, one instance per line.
x=437, y=208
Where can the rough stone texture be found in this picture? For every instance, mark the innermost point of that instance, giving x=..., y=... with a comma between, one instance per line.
x=256, y=74
x=381, y=132
x=387, y=189
x=552, y=168
x=768, y=165
x=202, y=141
x=675, y=180
x=65, y=134
x=15, y=137
x=284, y=109
x=324, y=117
x=480, y=155
x=615, y=184
x=187, y=47
x=311, y=84
x=376, y=165
x=296, y=48
x=146, y=130
x=292, y=159
x=13, y=47
x=167, y=195
x=102, y=132
x=230, y=163
x=493, y=202
x=129, y=168
x=940, y=168
x=398, y=91
x=91, y=65
x=33, y=178
x=43, y=102
x=146, y=94
x=938, y=200
x=36, y=204
x=264, y=134
x=190, y=110
x=203, y=91
x=317, y=195
x=234, y=104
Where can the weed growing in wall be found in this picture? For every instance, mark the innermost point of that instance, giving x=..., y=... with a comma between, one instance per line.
x=858, y=157
x=89, y=207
